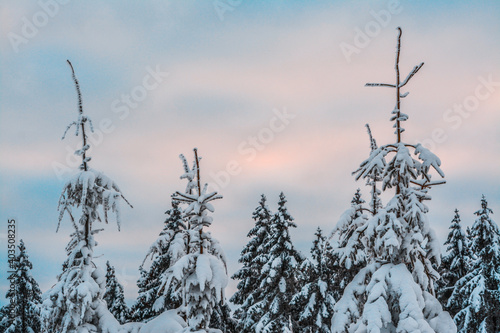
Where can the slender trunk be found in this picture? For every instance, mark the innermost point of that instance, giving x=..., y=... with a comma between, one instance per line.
x=398, y=103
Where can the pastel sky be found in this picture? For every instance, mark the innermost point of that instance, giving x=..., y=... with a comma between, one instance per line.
x=224, y=69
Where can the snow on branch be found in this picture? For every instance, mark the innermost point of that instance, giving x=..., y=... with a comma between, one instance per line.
x=413, y=72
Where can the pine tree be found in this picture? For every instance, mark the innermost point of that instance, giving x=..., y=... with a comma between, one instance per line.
x=347, y=253
x=253, y=259
x=394, y=291
x=75, y=302
x=477, y=294
x=114, y=296
x=455, y=264
x=23, y=312
x=315, y=300
x=167, y=248
x=279, y=282
x=201, y=273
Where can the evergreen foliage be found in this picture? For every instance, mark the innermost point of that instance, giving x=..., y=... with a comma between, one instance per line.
x=477, y=294
x=169, y=245
x=315, y=301
x=279, y=276
x=114, y=297
x=455, y=264
x=253, y=259
x=22, y=314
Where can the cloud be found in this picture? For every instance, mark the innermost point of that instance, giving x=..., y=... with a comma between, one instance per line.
x=225, y=79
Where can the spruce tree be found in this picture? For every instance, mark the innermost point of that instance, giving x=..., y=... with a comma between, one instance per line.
x=279, y=276
x=22, y=315
x=167, y=248
x=477, y=294
x=315, y=301
x=114, y=296
x=200, y=271
x=455, y=263
x=394, y=291
x=253, y=259
x=347, y=252
x=75, y=302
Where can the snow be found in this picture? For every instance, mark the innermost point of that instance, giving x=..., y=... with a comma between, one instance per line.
x=167, y=322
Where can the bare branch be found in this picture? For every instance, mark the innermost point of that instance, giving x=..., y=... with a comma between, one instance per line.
x=380, y=85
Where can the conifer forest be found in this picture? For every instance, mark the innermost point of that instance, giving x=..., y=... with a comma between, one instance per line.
x=269, y=171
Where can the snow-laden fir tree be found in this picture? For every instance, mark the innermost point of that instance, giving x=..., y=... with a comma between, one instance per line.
x=75, y=303
x=394, y=292
x=253, y=259
x=279, y=276
x=114, y=296
x=22, y=314
x=168, y=247
x=477, y=294
x=347, y=251
x=315, y=300
x=201, y=272
x=454, y=264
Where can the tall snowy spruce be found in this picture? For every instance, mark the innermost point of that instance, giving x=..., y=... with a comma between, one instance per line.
x=279, y=276
x=114, y=296
x=168, y=248
x=455, y=263
x=394, y=292
x=22, y=314
x=253, y=259
x=75, y=303
x=477, y=294
x=314, y=302
x=201, y=272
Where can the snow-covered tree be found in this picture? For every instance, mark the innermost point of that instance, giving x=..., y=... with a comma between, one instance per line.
x=315, y=300
x=279, y=276
x=253, y=259
x=167, y=248
x=201, y=271
x=75, y=303
x=394, y=292
x=114, y=296
x=222, y=319
x=22, y=314
x=347, y=252
x=477, y=294
x=455, y=263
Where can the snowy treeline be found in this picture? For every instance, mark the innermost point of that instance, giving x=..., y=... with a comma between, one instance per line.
x=380, y=269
